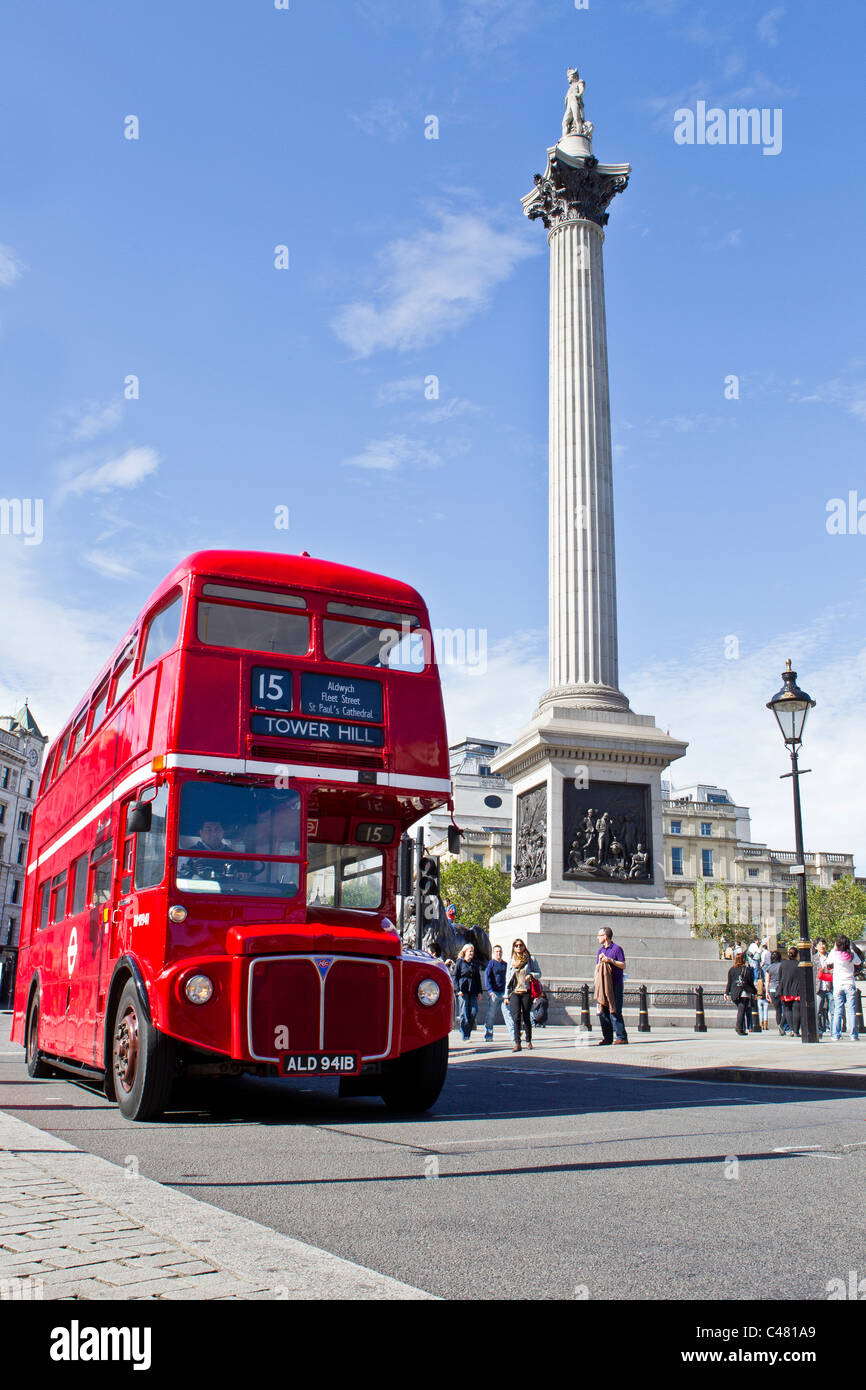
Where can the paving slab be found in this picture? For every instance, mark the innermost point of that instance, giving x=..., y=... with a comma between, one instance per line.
x=112, y=1236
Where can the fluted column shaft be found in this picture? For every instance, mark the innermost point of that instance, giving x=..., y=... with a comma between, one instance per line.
x=583, y=626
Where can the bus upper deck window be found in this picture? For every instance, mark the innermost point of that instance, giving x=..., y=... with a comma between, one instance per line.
x=98, y=707
x=123, y=675
x=162, y=631
x=252, y=629
x=77, y=735
x=403, y=646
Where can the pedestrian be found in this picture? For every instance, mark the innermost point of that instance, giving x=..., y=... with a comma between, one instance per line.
x=823, y=986
x=740, y=990
x=760, y=977
x=522, y=969
x=789, y=988
x=774, y=991
x=610, y=984
x=494, y=983
x=844, y=987
x=467, y=986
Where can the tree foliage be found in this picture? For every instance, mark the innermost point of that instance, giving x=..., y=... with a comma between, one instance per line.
x=832, y=911
x=477, y=893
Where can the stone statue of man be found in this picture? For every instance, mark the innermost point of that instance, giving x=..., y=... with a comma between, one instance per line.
x=574, y=121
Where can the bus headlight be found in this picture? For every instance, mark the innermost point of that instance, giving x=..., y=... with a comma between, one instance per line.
x=198, y=989
x=177, y=913
x=428, y=992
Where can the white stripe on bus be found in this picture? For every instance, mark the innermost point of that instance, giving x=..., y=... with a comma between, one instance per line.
x=249, y=765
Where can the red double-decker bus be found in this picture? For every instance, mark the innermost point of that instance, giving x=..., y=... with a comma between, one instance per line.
x=214, y=850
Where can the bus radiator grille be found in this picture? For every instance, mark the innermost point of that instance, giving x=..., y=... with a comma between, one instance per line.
x=347, y=1010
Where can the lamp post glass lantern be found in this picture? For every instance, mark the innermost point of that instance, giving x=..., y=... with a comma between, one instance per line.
x=791, y=705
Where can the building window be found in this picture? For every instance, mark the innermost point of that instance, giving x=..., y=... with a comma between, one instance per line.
x=484, y=770
x=22, y=850
x=677, y=860
x=478, y=858
x=836, y=878
x=753, y=873
x=29, y=791
x=5, y=780
x=16, y=889
x=706, y=827
x=715, y=800
x=2, y=811
x=508, y=863
x=493, y=802
x=676, y=827
x=707, y=863
x=24, y=820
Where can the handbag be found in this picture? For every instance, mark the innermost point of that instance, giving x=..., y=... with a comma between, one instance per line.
x=535, y=989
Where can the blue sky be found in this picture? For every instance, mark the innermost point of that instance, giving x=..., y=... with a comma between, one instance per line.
x=410, y=257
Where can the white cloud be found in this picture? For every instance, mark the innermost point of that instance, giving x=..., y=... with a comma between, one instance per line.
x=768, y=25
x=397, y=451
x=483, y=25
x=432, y=283
x=849, y=394
x=52, y=649
x=96, y=419
x=406, y=388
x=108, y=565
x=383, y=119
x=10, y=266
x=125, y=471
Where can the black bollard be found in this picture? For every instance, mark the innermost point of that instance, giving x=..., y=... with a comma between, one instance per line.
x=585, y=1025
x=860, y=1026
x=700, y=1017
x=756, y=1015
x=643, y=1017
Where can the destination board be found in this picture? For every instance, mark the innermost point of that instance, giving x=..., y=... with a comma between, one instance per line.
x=339, y=697
x=317, y=730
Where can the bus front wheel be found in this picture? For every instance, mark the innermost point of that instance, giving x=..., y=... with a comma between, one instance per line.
x=142, y=1060
x=413, y=1082
x=33, y=1060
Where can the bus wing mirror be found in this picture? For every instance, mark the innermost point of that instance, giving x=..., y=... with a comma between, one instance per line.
x=139, y=817
x=404, y=869
x=453, y=840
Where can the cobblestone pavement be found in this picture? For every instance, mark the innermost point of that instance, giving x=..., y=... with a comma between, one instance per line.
x=73, y=1226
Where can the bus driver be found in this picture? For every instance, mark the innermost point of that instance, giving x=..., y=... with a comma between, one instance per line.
x=210, y=839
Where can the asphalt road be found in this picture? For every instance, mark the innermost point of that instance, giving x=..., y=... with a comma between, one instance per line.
x=534, y=1177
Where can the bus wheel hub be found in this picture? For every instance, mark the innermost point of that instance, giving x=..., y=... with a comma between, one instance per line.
x=126, y=1050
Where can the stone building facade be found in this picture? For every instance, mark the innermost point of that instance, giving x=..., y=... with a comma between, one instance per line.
x=22, y=749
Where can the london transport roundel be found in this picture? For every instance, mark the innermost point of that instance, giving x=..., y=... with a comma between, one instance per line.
x=72, y=949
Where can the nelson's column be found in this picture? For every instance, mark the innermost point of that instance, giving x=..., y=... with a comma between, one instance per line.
x=587, y=847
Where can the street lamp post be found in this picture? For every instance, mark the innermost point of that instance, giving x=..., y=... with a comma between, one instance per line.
x=790, y=706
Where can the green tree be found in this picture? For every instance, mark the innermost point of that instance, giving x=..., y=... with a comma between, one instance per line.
x=832, y=911
x=477, y=893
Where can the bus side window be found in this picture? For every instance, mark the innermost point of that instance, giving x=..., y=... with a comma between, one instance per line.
x=58, y=897
x=162, y=631
x=98, y=708
x=78, y=884
x=150, y=845
x=123, y=674
x=128, y=861
x=44, y=902
x=101, y=862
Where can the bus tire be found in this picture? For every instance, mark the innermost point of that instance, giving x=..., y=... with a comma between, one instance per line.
x=142, y=1060
x=33, y=1060
x=413, y=1082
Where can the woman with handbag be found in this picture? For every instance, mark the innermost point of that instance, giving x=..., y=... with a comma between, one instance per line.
x=467, y=987
x=823, y=985
x=740, y=989
x=774, y=991
x=522, y=970
x=789, y=988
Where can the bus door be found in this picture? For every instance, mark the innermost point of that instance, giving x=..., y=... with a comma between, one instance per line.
x=139, y=865
x=88, y=923
x=48, y=953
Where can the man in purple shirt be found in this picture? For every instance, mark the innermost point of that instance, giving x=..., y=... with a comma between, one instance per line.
x=616, y=957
